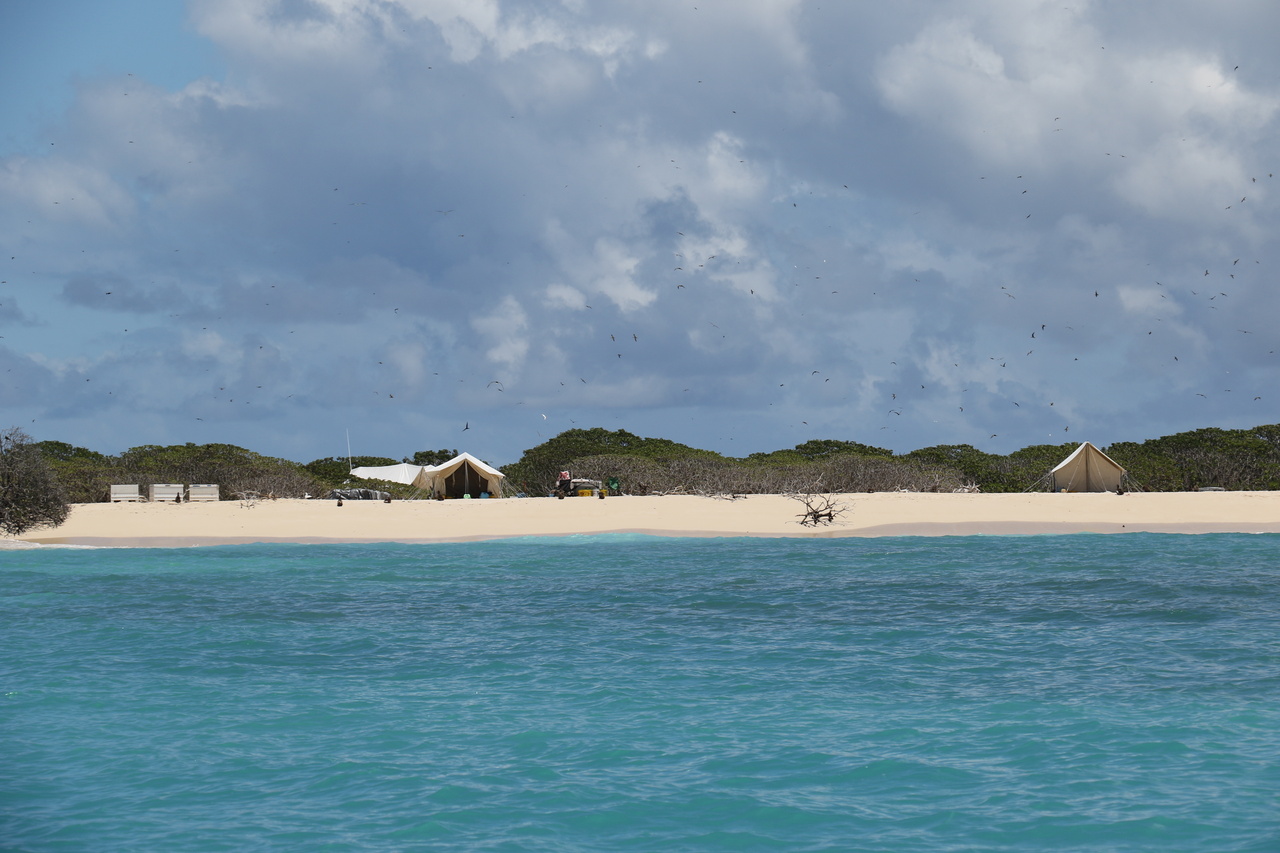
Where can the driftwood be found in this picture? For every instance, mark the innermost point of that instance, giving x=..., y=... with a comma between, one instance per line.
x=819, y=509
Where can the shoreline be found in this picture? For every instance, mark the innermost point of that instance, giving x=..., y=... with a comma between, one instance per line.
x=153, y=525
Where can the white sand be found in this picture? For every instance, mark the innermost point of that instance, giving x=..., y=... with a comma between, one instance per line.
x=878, y=514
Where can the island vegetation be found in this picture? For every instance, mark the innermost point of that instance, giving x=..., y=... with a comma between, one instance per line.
x=30, y=494
x=1238, y=459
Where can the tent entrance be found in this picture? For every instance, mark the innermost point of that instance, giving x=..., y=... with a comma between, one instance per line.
x=466, y=480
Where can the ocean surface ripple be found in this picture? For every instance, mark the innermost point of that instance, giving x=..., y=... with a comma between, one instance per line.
x=635, y=693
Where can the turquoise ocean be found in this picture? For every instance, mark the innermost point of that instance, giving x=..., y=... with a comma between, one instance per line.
x=620, y=693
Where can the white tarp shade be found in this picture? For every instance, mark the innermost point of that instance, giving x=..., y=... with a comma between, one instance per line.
x=402, y=473
x=462, y=475
x=1087, y=469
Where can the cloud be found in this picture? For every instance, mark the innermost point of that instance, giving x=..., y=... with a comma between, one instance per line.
x=380, y=203
x=65, y=193
x=1040, y=91
x=504, y=331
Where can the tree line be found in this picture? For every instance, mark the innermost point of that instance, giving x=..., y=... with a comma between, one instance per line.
x=1239, y=459
x=38, y=479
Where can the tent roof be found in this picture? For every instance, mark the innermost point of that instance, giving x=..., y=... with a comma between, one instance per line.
x=455, y=463
x=1088, y=449
x=404, y=473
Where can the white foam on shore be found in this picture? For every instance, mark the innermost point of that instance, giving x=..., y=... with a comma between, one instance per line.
x=19, y=545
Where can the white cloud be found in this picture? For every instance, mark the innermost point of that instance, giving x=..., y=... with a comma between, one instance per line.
x=1186, y=179
x=950, y=78
x=1146, y=301
x=613, y=274
x=421, y=193
x=205, y=344
x=410, y=359
x=334, y=31
x=467, y=26
x=729, y=179
x=1029, y=91
x=564, y=296
x=505, y=331
x=65, y=192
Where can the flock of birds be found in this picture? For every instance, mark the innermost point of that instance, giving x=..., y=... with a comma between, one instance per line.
x=806, y=288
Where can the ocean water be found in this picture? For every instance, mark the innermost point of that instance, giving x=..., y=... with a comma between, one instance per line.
x=624, y=693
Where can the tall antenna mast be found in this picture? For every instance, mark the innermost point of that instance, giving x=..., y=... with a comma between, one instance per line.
x=348, y=451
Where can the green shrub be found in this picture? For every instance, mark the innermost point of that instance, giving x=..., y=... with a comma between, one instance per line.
x=30, y=494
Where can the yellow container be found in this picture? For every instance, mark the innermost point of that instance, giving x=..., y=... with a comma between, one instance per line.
x=584, y=493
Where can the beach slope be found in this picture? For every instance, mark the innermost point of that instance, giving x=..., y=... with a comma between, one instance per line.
x=874, y=514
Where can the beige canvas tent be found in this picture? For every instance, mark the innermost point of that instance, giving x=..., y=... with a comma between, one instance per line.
x=1087, y=469
x=460, y=476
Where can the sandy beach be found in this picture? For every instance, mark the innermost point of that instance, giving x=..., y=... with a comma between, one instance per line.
x=878, y=514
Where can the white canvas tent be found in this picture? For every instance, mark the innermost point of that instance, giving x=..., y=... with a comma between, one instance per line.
x=462, y=475
x=403, y=473
x=1087, y=469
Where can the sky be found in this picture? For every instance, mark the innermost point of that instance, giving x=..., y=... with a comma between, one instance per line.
x=314, y=227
